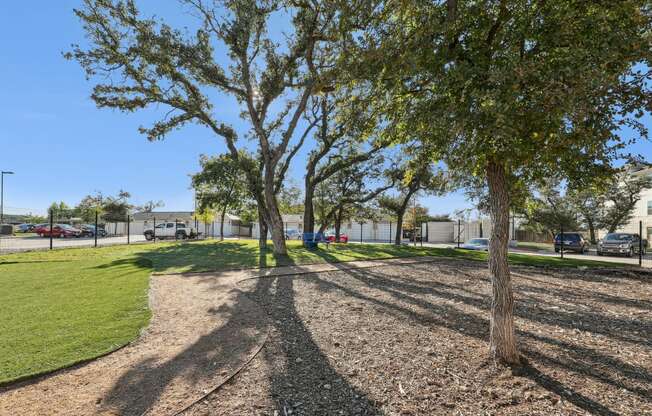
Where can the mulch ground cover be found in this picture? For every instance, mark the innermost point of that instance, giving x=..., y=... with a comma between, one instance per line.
x=412, y=340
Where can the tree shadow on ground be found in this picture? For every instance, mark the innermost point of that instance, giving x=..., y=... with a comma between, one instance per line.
x=306, y=383
x=145, y=385
x=581, y=360
x=211, y=357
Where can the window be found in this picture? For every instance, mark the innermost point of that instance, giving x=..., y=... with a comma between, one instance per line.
x=170, y=225
x=649, y=207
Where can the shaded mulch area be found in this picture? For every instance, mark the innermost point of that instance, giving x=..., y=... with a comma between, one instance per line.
x=412, y=340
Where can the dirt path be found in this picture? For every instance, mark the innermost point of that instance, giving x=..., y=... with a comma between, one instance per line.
x=202, y=331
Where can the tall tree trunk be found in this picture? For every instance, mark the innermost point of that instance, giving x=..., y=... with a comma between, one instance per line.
x=309, y=208
x=399, y=228
x=502, y=338
x=338, y=224
x=222, y=223
x=262, y=230
x=591, y=225
x=275, y=223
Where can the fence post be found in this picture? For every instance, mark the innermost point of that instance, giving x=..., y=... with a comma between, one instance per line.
x=390, y=232
x=459, y=230
x=51, y=227
x=154, y=229
x=561, y=239
x=360, y=232
x=95, y=232
x=176, y=226
x=128, y=228
x=421, y=233
x=640, y=244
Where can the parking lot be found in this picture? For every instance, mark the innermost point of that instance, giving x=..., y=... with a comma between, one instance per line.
x=27, y=243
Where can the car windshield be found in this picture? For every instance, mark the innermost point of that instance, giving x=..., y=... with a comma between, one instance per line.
x=66, y=226
x=479, y=241
x=618, y=237
x=568, y=237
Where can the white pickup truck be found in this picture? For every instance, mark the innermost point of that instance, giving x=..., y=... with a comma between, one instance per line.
x=179, y=231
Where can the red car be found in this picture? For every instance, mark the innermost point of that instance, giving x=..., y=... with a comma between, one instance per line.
x=60, y=231
x=343, y=238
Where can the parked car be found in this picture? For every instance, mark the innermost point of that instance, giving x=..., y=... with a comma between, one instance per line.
x=572, y=242
x=88, y=230
x=626, y=244
x=481, y=244
x=331, y=238
x=24, y=228
x=38, y=228
x=177, y=230
x=61, y=231
x=292, y=235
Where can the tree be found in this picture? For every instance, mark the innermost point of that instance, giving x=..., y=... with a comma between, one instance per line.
x=147, y=63
x=206, y=216
x=116, y=208
x=60, y=211
x=343, y=125
x=548, y=210
x=89, y=206
x=589, y=202
x=289, y=199
x=507, y=92
x=622, y=195
x=220, y=186
x=416, y=175
x=150, y=206
x=338, y=197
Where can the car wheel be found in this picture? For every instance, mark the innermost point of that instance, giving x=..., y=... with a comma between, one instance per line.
x=599, y=253
x=181, y=236
x=631, y=252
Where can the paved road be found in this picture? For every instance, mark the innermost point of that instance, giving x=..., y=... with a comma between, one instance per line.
x=13, y=244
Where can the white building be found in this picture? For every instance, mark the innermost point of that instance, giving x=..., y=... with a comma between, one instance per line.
x=643, y=210
x=381, y=231
x=140, y=221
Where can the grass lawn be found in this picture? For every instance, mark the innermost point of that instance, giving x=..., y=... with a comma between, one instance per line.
x=63, y=306
x=58, y=308
x=536, y=246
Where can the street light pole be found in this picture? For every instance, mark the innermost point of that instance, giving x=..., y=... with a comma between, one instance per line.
x=2, y=193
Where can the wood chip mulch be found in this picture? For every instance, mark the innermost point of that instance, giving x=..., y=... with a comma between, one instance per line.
x=412, y=340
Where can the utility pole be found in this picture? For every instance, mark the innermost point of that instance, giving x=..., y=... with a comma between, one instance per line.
x=2, y=193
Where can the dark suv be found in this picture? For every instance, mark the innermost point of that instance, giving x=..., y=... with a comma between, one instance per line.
x=572, y=242
x=621, y=243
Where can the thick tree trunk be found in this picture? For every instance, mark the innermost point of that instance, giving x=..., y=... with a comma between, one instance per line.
x=502, y=338
x=399, y=228
x=222, y=224
x=262, y=234
x=309, y=209
x=338, y=224
x=275, y=223
x=591, y=231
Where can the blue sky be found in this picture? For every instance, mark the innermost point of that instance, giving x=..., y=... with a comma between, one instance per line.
x=62, y=147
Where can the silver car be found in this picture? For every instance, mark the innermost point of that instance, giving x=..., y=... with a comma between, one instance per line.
x=481, y=244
